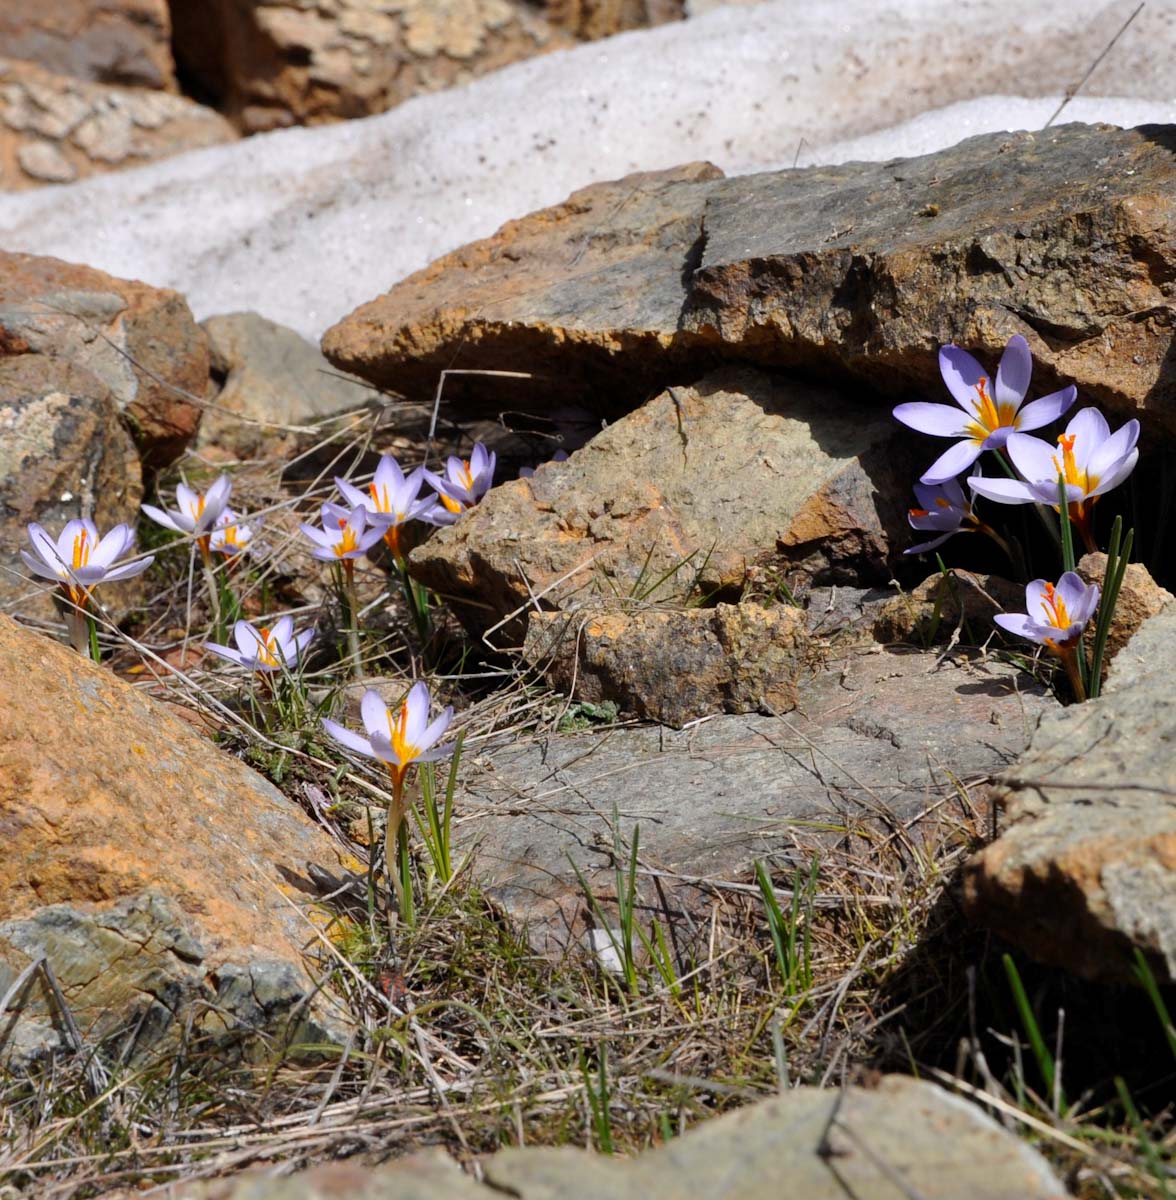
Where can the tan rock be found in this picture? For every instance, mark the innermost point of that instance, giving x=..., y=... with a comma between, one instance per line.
x=55, y=129
x=64, y=453
x=280, y=62
x=271, y=380
x=1084, y=870
x=861, y=270
x=674, y=665
x=1140, y=597
x=684, y=497
x=140, y=341
x=892, y=1140
x=104, y=41
x=592, y=19
x=155, y=871
x=933, y=610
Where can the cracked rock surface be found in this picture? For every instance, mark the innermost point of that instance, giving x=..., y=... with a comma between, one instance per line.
x=899, y=1139
x=871, y=756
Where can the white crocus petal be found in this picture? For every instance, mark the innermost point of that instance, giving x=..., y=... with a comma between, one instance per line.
x=246, y=638
x=41, y=568
x=1089, y=426
x=344, y=736
x=233, y=656
x=1038, y=413
x=954, y=460
x=416, y=714
x=961, y=372
x=939, y=420
x=320, y=537
x=1035, y=460
x=112, y=546
x=1019, y=624
x=127, y=570
x=160, y=517
x=1116, y=474
x=434, y=732
x=216, y=499
x=1080, y=599
x=283, y=627
x=934, y=544
x=352, y=494
x=374, y=713
x=301, y=641
x=1014, y=372
x=1115, y=448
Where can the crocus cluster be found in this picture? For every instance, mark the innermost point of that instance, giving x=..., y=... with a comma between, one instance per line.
x=1083, y=463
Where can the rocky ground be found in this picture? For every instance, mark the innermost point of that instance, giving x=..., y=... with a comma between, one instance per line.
x=767, y=863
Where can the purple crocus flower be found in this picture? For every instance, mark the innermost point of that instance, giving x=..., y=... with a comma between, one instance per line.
x=944, y=510
x=197, y=513
x=344, y=535
x=984, y=420
x=1088, y=458
x=465, y=482
x=230, y=537
x=392, y=499
x=80, y=560
x=400, y=737
x=265, y=650
x=1054, y=616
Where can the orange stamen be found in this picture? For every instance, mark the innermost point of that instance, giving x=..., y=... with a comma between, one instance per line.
x=989, y=416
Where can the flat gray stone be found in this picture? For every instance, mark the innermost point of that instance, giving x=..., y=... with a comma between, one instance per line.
x=875, y=750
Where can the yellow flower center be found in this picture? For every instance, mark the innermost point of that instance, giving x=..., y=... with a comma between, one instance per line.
x=453, y=505
x=348, y=542
x=1054, y=608
x=989, y=416
x=405, y=750
x=1068, y=468
x=267, y=647
x=81, y=549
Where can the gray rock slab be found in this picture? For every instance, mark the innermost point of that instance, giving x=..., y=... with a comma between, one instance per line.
x=901, y=1139
x=874, y=755
x=273, y=378
x=1084, y=872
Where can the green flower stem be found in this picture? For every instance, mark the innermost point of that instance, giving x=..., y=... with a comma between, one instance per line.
x=92, y=638
x=210, y=582
x=397, y=863
x=352, y=618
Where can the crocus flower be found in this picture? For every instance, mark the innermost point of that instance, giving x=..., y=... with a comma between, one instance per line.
x=1088, y=458
x=944, y=510
x=465, y=482
x=984, y=419
x=396, y=737
x=264, y=649
x=80, y=560
x=197, y=514
x=230, y=537
x=1055, y=618
x=345, y=535
x=392, y=498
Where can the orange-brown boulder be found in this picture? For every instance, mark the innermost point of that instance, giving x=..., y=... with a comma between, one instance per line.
x=156, y=874
x=140, y=341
